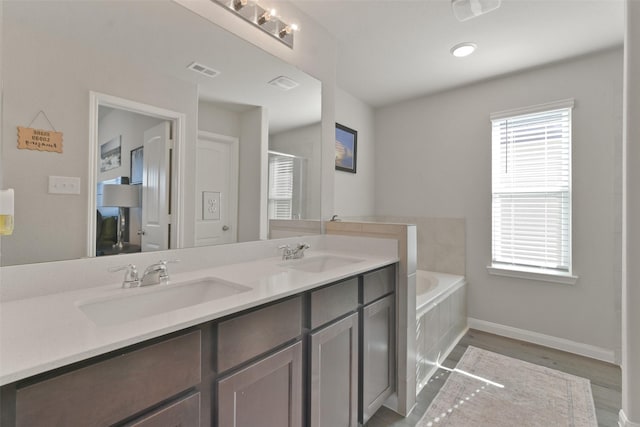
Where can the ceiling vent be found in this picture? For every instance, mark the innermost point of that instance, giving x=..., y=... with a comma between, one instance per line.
x=284, y=83
x=203, y=69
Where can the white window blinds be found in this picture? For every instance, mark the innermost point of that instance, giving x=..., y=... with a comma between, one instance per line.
x=280, y=187
x=531, y=186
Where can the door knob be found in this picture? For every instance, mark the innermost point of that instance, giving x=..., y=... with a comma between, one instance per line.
x=141, y=233
x=225, y=227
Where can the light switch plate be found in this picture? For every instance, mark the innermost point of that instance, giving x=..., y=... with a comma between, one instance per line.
x=211, y=205
x=64, y=185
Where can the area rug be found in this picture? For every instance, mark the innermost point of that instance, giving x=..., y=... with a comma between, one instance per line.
x=489, y=389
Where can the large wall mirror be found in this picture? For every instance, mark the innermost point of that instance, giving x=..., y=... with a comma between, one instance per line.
x=181, y=133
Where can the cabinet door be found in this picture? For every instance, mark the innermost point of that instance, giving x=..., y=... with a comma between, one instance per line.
x=182, y=413
x=267, y=393
x=334, y=374
x=378, y=355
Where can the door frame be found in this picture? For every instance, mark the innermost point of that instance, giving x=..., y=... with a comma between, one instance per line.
x=234, y=179
x=96, y=100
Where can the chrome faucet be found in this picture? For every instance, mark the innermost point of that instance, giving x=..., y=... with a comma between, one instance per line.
x=298, y=252
x=293, y=253
x=131, y=278
x=156, y=274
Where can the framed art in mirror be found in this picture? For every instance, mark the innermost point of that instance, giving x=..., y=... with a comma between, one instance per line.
x=346, y=148
x=136, y=165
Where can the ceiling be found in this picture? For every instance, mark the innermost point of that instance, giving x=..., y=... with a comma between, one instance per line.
x=393, y=50
x=129, y=31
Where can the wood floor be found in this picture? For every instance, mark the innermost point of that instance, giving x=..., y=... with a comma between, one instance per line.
x=605, y=378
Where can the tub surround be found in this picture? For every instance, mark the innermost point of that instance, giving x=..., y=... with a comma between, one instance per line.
x=441, y=241
x=42, y=327
x=441, y=307
x=405, y=237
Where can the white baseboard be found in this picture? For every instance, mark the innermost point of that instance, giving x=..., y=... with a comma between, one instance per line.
x=623, y=421
x=581, y=349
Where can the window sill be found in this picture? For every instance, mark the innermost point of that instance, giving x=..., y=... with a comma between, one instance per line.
x=532, y=274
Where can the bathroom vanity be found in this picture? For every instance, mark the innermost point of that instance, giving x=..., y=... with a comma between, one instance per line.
x=311, y=343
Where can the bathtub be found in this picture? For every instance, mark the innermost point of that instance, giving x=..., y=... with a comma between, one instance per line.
x=441, y=320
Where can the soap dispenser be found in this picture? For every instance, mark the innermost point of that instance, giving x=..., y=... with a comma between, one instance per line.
x=6, y=212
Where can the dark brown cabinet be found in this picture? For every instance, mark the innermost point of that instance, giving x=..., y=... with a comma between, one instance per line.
x=267, y=393
x=334, y=374
x=378, y=355
x=109, y=391
x=322, y=358
x=181, y=413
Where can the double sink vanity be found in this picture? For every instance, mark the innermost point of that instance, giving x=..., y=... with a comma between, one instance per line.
x=242, y=338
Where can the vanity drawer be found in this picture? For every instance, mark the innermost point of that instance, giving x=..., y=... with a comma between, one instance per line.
x=248, y=335
x=112, y=390
x=333, y=301
x=184, y=412
x=378, y=283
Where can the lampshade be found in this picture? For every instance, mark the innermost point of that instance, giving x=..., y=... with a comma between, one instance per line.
x=121, y=195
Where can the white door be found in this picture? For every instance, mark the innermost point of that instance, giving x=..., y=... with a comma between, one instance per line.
x=155, y=188
x=217, y=189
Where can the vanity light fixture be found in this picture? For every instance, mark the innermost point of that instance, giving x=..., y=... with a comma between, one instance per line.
x=264, y=18
x=239, y=4
x=287, y=30
x=463, y=49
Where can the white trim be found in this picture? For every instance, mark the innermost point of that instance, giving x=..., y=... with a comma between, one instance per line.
x=623, y=421
x=97, y=99
x=555, y=105
x=532, y=274
x=574, y=347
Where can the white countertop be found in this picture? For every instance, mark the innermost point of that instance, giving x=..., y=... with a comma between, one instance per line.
x=42, y=333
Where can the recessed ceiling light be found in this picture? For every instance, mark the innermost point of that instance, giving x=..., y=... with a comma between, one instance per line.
x=463, y=49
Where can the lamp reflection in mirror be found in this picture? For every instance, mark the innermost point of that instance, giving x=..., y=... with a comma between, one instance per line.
x=121, y=196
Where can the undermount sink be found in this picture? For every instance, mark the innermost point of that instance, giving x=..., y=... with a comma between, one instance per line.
x=320, y=264
x=137, y=303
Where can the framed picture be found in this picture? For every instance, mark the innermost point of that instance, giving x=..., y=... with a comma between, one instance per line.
x=346, y=148
x=136, y=165
x=110, y=154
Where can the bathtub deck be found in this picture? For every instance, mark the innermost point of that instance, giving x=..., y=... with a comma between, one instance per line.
x=606, y=379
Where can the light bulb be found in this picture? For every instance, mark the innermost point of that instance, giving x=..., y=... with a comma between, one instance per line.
x=239, y=4
x=463, y=49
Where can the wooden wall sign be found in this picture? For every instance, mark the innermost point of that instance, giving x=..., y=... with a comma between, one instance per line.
x=38, y=139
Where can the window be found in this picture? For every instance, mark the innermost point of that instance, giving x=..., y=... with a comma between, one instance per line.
x=280, y=186
x=531, y=189
x=286, y=186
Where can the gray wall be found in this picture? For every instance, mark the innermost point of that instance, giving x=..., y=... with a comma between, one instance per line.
x=354, y=193
x=54, y=227
x=433, y=158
